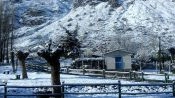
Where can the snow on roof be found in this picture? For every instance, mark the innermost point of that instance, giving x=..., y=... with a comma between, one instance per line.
x=86, y=59
x=120, y=50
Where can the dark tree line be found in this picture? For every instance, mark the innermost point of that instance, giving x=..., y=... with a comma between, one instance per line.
x=163, y=56
x=160, y=57
x=6, y=30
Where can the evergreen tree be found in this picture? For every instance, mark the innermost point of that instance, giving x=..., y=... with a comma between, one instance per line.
x=172, y=52
x=71, y=43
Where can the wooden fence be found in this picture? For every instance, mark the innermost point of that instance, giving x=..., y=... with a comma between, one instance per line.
x=118, y=89
x=11, y=90
x=39, y=67
x=131, y=75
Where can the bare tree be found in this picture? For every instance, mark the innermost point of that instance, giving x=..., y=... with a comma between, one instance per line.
x=52, y=57
x=22, y=57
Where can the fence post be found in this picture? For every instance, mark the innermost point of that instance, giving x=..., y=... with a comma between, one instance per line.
x=103, y=73
x=47, y=68
x=5, y=90
x=67, y=70
x=134, y=75
x=62, y=90
x=130, y=75
x=84, y=71
x=143, y=76
x=166, y=78
x=173, y=88
x=119, y=89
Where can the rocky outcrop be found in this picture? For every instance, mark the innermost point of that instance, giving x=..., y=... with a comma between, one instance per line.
x=113, y=3
x=78, y=3
x=16, y=1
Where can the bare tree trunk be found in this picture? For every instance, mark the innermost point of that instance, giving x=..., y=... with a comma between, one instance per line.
x=12, y=61
x=52, y=58
x=22, y=57
x=173, y=58
x=55, y=75
x=3, y=51
x=7, y=50
x=1, y=54
x=24, y=71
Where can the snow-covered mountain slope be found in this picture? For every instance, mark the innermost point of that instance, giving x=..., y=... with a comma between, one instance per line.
x=135, y=25
x=37, y=12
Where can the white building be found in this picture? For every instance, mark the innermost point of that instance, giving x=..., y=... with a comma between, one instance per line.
x=118, y=60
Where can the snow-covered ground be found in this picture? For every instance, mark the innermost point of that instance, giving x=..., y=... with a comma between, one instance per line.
x=134, y=25
x=42, y=79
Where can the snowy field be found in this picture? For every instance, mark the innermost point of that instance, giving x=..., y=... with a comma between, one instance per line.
x=42, y=79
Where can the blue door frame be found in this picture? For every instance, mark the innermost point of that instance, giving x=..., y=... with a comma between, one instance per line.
x=118, y=62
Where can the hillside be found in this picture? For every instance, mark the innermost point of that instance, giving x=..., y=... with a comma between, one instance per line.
x=135, y=25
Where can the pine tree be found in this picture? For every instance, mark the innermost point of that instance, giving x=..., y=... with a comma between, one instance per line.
x=71, y=43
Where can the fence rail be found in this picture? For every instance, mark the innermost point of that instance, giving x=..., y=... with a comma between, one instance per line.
x=65, y=89
x=131, y=75
x=39, y=67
